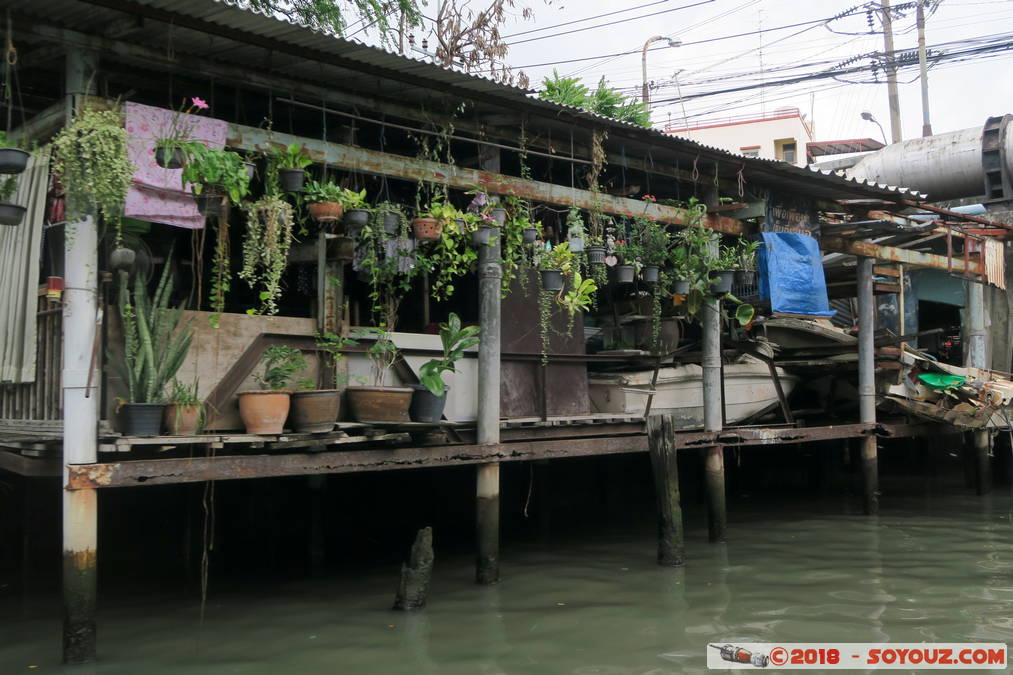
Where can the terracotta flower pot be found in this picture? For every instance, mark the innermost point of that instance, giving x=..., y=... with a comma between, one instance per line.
x=427, y=229
x=315, y=411
x=326, y=212
x=264, y=411
x=181, y=419
x=380, y=404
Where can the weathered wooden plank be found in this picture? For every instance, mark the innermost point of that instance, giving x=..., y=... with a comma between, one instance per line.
x=409, y=168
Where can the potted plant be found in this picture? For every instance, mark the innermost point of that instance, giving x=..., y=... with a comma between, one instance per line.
x=155, y=342
x=356, y=209
x=682, y=270
x=184, y=411
x=265, y=410
x=13, y=160
x=290, y=162
x=90, y=160
x=653, y=244
x=430, y=397
x=482, y=226
x=595, y=251
x=10, y=213
x=324, y=199
x=391, y=218
x=169, y=150
x=269, y=232
x=378, y=402
x=316, y=410
x=429, y=224
x=723, y=269
x=625, y=270
x=553, y=264
x=214, y=174
x=528, y=229
x=575, y=230
x=746, y=275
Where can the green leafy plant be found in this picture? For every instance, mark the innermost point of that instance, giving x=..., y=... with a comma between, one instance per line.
x=578, y=297
x=292, y=156
x=559, y=257
x=214, y=168
x=383, y=261
x=455, y=341
x=350, y=199
x=8, y=186
x=181, y=127
x=333, y=346
x=155, y=339
x=574, y=223
x=747, y=253
x=384, y=209
x=185, y=396
x=652, y=240
x=317, y=192
x=383, y=353
x=90, y=160
x=269, y=234
x=281, y=363
x=603, y=100
x=441, y=210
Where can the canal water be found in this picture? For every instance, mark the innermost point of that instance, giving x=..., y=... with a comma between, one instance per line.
x=934, y=567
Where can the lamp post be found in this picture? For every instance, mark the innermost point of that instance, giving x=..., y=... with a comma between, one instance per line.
x=643, y=60
x=867, y=116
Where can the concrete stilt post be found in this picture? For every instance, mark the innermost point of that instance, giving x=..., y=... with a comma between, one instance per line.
x=714, y=462
x=487, y=475
x=977, y=357
x=867, y=382
x=80, y=408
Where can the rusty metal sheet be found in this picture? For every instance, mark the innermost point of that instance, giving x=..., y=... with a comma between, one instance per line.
x=901, y=255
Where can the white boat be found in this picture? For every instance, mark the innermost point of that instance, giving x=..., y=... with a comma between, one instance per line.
x=749, y=391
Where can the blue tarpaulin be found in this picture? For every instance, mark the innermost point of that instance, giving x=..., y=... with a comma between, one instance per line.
x=792, y=274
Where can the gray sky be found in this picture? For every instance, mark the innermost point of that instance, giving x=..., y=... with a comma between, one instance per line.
x=961, y=94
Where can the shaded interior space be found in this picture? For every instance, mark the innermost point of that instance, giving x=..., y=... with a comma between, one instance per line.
x=946, y=345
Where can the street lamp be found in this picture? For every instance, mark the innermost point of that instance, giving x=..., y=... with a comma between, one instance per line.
x=656, y=38
x=867, y=116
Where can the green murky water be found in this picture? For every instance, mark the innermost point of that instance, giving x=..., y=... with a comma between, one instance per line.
x=937, y=569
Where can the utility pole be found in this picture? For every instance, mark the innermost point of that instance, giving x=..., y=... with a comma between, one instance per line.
x=891, y=72
x=923, y=69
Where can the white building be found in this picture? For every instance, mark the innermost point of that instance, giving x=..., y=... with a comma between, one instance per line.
x=783, y=134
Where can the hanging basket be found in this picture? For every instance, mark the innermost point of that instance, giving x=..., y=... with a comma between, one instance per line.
x=11, y=214
x=680, y=287
x=291, y=180
x=552, y=280
x=596, y=255
x=576, y=244
x=13, y=160
x=210, y=203
x=427, y=229
x=721, y=281
x=482, y=236
x=169, y=158
x=326, y=212
x=122, y=258
x=624, y=274
x=499, y=215
x=649, y=274
x=391, y=223
x=251, y=170
x=530, y=235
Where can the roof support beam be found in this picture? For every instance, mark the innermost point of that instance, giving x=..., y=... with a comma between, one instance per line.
x=379, y=163
x=867, y=249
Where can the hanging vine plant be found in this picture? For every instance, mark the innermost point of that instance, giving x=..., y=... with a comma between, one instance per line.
x=221, y=272
x=90, y=160
x=269, y=231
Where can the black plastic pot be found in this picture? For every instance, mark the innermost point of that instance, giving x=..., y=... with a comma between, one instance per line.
x=169, y=158
x=596, y=255
x=141, y=419
x=425, y=406
x=624, y=273
x=552, y=280
x=576, y=244
x=530, y=235
x=482, y=236
x=210, y=203
x=391, y=223
x=680, y=286
x=356, y=219
x=291, y=179
x=13, y=160
x=649, y=274
x=251, y=170
x=11, y=214
x=745, y=277
x=721, y=281
x=499, y=215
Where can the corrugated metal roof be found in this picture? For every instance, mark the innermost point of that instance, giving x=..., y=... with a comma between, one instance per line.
x=224, y=30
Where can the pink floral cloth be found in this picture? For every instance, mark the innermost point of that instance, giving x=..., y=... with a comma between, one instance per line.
x=157, y=194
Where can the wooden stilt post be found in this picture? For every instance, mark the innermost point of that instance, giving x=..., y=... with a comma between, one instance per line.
x=982, y=457
x=867, y=383
x=317, y=548
x=664, y=463
x=413, y=591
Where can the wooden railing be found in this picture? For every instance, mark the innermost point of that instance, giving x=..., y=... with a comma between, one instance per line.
x=42, y=399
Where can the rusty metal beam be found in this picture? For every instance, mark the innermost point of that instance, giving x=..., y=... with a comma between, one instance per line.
x=771, y=436
x=901, y=255
x=379, y=163
x=954, y=214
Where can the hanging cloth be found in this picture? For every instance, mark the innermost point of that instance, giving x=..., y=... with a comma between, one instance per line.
x=157, y=195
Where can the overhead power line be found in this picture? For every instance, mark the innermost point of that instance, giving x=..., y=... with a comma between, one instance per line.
x=587, y=18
